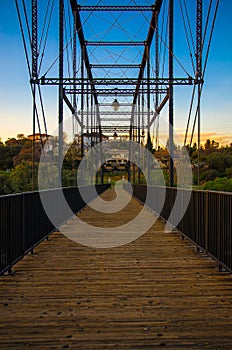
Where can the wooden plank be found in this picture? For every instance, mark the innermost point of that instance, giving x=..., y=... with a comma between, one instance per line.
x=155, y=292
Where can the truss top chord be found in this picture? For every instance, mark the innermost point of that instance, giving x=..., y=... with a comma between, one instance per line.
x=115, y=43
x=116, y=81
x=110, y=104
x=113, y=113
x=115, y=8
x=105, y=66
x=118, y=119
x=120, y=92
x=111, y=128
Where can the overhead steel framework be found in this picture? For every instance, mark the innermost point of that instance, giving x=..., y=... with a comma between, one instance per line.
x=120, y=128
x=115, y=8
x=119, y=81
x=110, y=92
x=90, y=92
x=110, y=66
x=115, y=43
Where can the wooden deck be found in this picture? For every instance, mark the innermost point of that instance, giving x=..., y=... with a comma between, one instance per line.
x=155, y=292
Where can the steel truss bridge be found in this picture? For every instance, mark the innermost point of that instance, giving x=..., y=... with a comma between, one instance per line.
x=156, y=291
x=124, y=54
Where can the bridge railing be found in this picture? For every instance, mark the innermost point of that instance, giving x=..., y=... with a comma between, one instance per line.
x=207, y=220
x=24, y=222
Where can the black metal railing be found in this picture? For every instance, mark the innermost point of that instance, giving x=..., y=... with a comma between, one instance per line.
x=207, y=220
x=24, y=222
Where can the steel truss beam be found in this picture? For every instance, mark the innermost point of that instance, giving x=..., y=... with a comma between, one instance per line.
x=118, y=120
x=34, y=44
x=112, y=128
x=115, y=8
x=81, y=37
x=61, y=95
x=150, y=35
x=199, y=40
x=118, y=81
x=115, y=43
x=72, y=109
x=171, y=96
x=199, y=76
x=110, y=105
x=122, y=92
x=122, y=66
x=113, y=113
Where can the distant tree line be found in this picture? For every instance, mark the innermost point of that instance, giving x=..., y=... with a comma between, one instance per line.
x=16, y=163
x=215, y=166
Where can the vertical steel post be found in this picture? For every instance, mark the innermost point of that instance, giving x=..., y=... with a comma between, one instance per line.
x=74, y=60
x=142, y=159
x=133, y=139
x=91, y=119
x=148, y=114
x=157, y=85
x=171, y=108
x=199, y=76
x=82, y=102
x=87, y=107
x=129, y=163
x=157, y=62
x=139, y=138
x=34, y=37
x=33, y=140
x=75, y=86
x=34, y=73
x=61, y=74
x=101, y=151
x=91, y=133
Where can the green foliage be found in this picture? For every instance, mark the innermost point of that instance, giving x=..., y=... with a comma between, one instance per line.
x=215, y=166
x=219, y=161
x=20, y=179
x=72, y=157
x=11, y=150
x=16, y=157
x=220, y=184
x=229, y=172
x=4, y=183
x=210, y=174
x=149, y=144
x=69, y=178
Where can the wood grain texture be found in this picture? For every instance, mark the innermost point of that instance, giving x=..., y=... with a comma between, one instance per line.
x=155, y=292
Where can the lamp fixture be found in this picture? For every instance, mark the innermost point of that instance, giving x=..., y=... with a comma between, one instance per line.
x=115, y=134
x=115, y=103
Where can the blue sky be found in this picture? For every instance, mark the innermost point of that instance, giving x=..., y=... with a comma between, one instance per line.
x=15, y=96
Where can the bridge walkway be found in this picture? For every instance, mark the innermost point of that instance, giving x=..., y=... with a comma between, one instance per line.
x=155, y=292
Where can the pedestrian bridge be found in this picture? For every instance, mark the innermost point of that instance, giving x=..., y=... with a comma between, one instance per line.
x=162, y=290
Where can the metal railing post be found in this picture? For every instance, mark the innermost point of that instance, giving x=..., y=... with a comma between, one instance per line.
x=206, y=221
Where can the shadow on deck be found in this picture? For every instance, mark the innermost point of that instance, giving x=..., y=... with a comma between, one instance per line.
x=155, y=292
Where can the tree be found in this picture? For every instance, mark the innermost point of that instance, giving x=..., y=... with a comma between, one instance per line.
x=229, y=172
x=7, y=153
x=20, y=179
x=21, y=137
x=72, y=157
x=4, y=183
x=149, y=144
x=25, y=153
x=211, y=146
x=208, y=144
x=192, y=151
x=220, y=184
